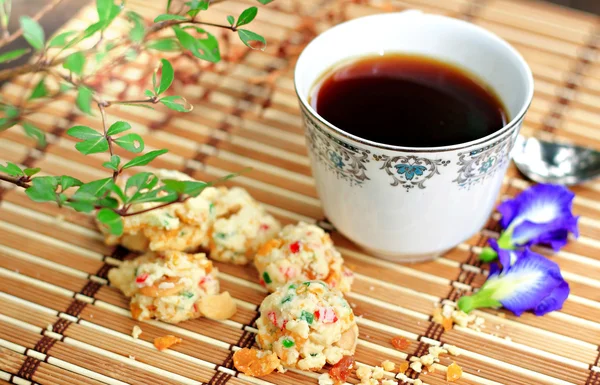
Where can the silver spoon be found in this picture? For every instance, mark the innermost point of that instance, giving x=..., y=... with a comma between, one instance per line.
x=549, y=162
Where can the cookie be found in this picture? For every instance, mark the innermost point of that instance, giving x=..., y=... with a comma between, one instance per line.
x=307, y=324
x=299, y=253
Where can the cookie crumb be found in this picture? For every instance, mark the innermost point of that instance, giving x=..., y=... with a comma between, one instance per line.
x=136, y=332
x=378, y=373
x=388, y=365
x=325, y=379
x=417, y=366
x=363, y=372
x=453, y=350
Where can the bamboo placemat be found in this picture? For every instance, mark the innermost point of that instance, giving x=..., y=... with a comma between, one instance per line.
x=61, y=324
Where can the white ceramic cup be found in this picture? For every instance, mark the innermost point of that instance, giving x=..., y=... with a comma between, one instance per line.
x=410, y=213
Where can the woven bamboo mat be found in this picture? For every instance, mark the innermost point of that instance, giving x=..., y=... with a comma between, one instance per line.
x=53, y=263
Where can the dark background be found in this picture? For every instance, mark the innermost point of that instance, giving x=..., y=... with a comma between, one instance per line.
x=68, y=8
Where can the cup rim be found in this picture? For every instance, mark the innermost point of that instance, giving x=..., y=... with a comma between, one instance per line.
x=506, y=128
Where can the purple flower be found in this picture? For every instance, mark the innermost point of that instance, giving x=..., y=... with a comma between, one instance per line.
x=539, y=215
x=532, y=283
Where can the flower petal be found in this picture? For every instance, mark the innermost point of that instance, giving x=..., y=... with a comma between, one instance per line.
x=542, y=203
x=507, y=258
x=554, y=301
x=526, y=284
x=554, y=233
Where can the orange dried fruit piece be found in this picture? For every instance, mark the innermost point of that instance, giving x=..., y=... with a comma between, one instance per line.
x=249, y=362
x=403, y=367
x=136, y=311
x=400, y=343
x=340, y=371
x=447, y=323
x=165, y=342
x=454, y=372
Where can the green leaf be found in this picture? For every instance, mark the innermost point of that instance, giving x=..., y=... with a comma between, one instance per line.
x=35, y=133
x=42, y=189
x=143, y=160
x=112, y=220
x=103, y=7
x=117, y=128
x=165, y=16
x=12, y=169
x=92, y=190
x=40, y=90
x=166, y=76
x=171, y=102
x=60, y=39
x=153, y=196
x=192, y=188
x=83, y=132
x=169, y=4
x=75, y=62
x=206, y=49
x=32, y=171
x=149, y=93
x=113, y=164
x=265, y=2
x=32, y=32
x=247, y=37
x=13, y=55
x=67, y=182
x=197, y=6
x=84, y=99
x=117, y=190
x=82, y=207
x=165, y=45
x=231, y=20
x=247, y=16
x=137, y=33
x=141, y=181
x=130, y=142
x=92, y=146
x=107, y=11
x=154, y=82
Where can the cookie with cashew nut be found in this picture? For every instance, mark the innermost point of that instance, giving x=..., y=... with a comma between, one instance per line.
x=172, y=286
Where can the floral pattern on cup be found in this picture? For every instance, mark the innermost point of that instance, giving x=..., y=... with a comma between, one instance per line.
x=343, y=159
x=482, y=163
x=410, y=171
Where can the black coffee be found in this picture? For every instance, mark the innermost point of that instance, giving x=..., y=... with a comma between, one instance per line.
x=408, y=100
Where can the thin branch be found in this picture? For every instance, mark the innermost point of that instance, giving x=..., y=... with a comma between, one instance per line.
x=9, y=39
x=17, y=181
x=234, y=29
x=43, y=65
x=178, y=200
x=152, y=100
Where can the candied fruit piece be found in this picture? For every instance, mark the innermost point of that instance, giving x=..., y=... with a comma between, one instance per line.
x=447, y=324
x=400, y=343
x=340, y=371
x=403, y=367
x=136, y=311
x=165, y=342
x=454, y=372
x=248, y=362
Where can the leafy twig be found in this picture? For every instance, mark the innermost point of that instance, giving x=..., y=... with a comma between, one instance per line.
x=17, y=181
x=127, y=214
x=9, y=39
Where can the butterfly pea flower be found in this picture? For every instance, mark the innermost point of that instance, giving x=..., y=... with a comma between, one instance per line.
x=539, y=215
x=532, y=283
